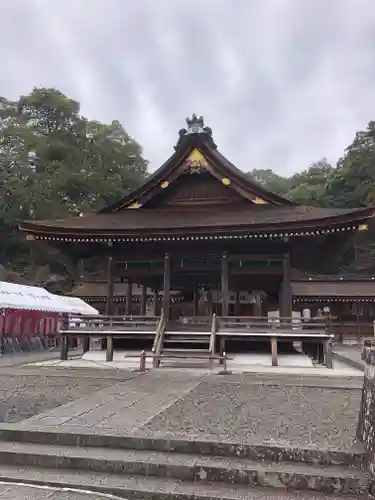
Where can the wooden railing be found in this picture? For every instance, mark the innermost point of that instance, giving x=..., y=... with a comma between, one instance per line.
x=98, y=323
x=108, y=327
x=263, y=323
x=350, y=330
x=195, y=320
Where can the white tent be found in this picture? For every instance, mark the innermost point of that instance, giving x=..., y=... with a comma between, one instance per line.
x=79, y=306
x=13, y=296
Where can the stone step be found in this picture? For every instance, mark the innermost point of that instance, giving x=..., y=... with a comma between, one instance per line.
x=194, y=468
x=269, y=452
x=154, y=488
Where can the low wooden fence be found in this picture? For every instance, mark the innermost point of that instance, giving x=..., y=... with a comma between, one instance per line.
x=108, y=328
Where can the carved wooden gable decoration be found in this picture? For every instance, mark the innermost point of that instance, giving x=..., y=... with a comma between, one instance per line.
x=197, y=174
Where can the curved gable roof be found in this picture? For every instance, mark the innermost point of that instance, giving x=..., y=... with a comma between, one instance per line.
x=198, y=137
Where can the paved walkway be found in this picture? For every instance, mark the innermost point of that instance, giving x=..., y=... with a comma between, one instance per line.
x=23, y=358
x=10, y=491
x=180, y=404
x=124, y=407
x=349, y=355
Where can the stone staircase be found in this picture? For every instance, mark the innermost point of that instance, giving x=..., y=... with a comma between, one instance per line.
x=159, y=469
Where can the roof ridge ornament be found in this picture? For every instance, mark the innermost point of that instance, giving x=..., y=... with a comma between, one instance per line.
x=195, y=125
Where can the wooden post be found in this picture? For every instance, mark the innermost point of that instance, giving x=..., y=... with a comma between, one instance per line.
x=286, y=299
x=109, y=352
x=222, y=348
x=224, y=285
x=110, y=282
x=143, y=300
x=129, y=298
x=258, y=305
x=155, y=303
x=85, y=343
x=225, y=362
x=237, y=305
x=142, y=362
x=195, y=302
x=64, y=348
x=274, y=351
x=167, y=286
x=328, y=353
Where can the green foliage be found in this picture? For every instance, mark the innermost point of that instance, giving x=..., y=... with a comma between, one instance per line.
x=307, y=187
x=56, y=163
x=350, y=184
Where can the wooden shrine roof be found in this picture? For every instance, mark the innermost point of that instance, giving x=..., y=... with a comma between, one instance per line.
x=155, y=221
x=198, y=190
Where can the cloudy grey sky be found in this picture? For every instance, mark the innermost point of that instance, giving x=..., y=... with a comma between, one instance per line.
x=281, y=82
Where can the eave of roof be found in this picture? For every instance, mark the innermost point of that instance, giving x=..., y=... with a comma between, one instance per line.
x=257, y=219
x=334, y=289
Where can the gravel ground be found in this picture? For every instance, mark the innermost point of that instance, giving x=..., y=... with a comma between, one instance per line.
x=25, y=392
x=244, y=412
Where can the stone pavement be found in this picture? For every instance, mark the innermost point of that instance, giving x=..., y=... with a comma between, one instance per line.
x=26, y=391
x=18, y=359
x=248, y=408
x=116, y=438
x=123, y=407
x=349, y=355
x=9, y=491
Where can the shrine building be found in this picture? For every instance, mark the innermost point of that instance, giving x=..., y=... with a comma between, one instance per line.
x=201, y=237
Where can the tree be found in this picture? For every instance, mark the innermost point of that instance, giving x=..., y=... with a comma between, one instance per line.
x=269, y=180
x=56, y=163
x=353, y=182
x=309, y=186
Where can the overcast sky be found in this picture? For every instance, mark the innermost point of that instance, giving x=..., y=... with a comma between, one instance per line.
x=281, y=82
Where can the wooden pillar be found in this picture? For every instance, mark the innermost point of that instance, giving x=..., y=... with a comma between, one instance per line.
x=286, y=300
x=167, y=286
x=109, y=351
x=129, y=298
x=195, y=302
x=258, y=305
x=155, y=303
x=222, y=348
x=328, y=353
x=110, y=284
x=64, y=348
x=275, y=361
x=80, y=271
x=85, y=343
x=224, y=285
x=237, y=305
x=143, y=300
